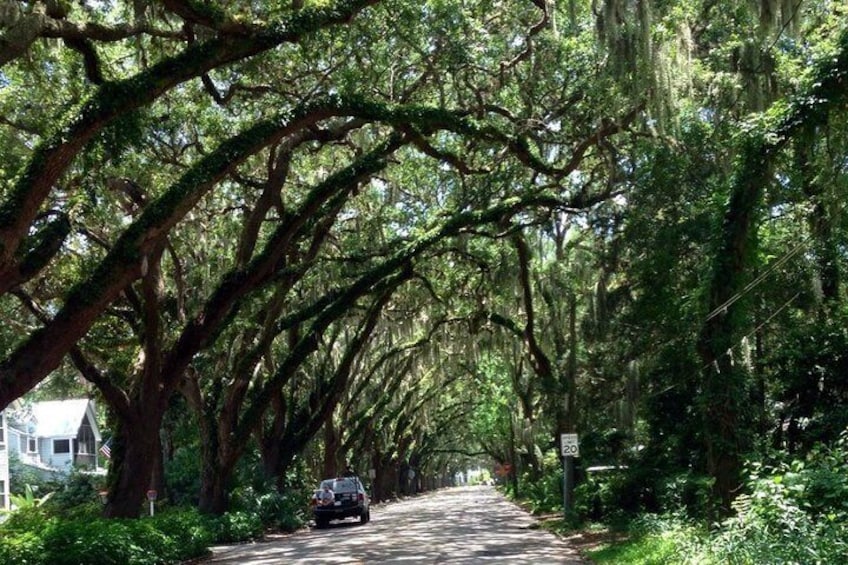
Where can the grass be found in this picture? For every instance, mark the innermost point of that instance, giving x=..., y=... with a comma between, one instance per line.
x=650, y=549
x=659, y=544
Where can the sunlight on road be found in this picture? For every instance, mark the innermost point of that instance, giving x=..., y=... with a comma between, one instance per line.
x=461, y=525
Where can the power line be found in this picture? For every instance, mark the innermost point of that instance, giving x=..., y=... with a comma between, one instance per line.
x=760, y=278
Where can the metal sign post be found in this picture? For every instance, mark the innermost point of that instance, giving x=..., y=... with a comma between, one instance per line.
x=570, y=449
x=151, y=497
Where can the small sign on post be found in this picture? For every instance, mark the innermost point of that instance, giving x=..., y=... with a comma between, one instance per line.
x=569, y=445
x=570, y=449
x=151, y=498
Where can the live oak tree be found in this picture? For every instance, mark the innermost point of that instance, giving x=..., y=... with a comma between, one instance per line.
x=24, y=254
x=135, y=253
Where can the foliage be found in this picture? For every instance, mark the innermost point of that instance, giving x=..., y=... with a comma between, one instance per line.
x=25, y=548
x=597, y=498
x=187, y=528
x=686, y=494
x=481, y=478
x=31, y=519
x=22, y=475
x=169, y=538
x=792, y=512
x=653, y=541
x=235, y=526
x=545, y=494
x=76, y=489
x=28, y=499
x=285, y=511
x=182, y=472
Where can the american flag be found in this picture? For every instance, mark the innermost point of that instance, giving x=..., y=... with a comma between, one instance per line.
x=106, y=449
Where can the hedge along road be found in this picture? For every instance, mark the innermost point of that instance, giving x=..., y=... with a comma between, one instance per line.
x=457, y=525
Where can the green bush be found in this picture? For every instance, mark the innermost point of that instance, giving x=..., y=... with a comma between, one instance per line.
x=187, y=529
x=34, y=538
x=281, y=511
x=235, y=526
x=107, y=542
x=31, y=519
x=792, y=513
x=22, y=548
x=544, y=495
x=77, y=489
x=613, y=496
x=24, y=475
x=285, y=512
x=687, y=493
x=183, y=476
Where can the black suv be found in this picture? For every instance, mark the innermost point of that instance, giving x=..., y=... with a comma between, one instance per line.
x=350, y=500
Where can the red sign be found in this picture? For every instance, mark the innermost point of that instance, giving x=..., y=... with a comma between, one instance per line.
x=503, y=470
x=151, y=495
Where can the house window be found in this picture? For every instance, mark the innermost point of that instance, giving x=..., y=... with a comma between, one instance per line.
x=32, y=445
x=2, y=494
x=61, y=446
x=86, y=443
x=2, y=433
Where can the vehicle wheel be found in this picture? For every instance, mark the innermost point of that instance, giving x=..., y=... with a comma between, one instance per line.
x=364, y=517
x=321, y=523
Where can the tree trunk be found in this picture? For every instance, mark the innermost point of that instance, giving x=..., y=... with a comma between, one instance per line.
x=724, y=382
x=378, y=483
x=214, y=487
x=218, y=462
x=821, y=219
x=332, y=463
x=134, y=459
x=513, y=459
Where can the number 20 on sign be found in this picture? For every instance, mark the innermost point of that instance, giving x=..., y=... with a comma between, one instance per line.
x=570, y=446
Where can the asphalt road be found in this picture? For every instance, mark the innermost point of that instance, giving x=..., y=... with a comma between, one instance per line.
x=460, y=525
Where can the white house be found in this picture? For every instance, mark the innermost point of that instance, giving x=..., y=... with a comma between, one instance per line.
x=56, y=435
x=4, y=463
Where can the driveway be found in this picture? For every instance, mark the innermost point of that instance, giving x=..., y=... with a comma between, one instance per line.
x=459, y=525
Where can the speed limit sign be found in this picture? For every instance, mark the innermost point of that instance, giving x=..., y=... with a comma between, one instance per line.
x=570, y=447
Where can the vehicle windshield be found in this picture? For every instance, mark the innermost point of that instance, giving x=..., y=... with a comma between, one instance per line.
x=342, y=484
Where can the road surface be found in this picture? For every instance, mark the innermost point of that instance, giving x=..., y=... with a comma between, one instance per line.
x=465, y=525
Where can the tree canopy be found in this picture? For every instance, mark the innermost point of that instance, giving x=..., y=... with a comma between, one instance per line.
x=420, y=232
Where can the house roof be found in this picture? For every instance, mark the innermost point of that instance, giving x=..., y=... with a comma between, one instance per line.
x=59, y=417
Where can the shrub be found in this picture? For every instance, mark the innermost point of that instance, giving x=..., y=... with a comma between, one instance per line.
x=23, y=548
x=614, y=496
x=283, y=511
x=187, y=528
x=791, y=512
x=235, y=526
x=183, y=476
x=688, y=494
x=32, y=538
x=107, y=542
x=544, y=495
x=31, y=519
x=777, y=521
x=77, y=489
